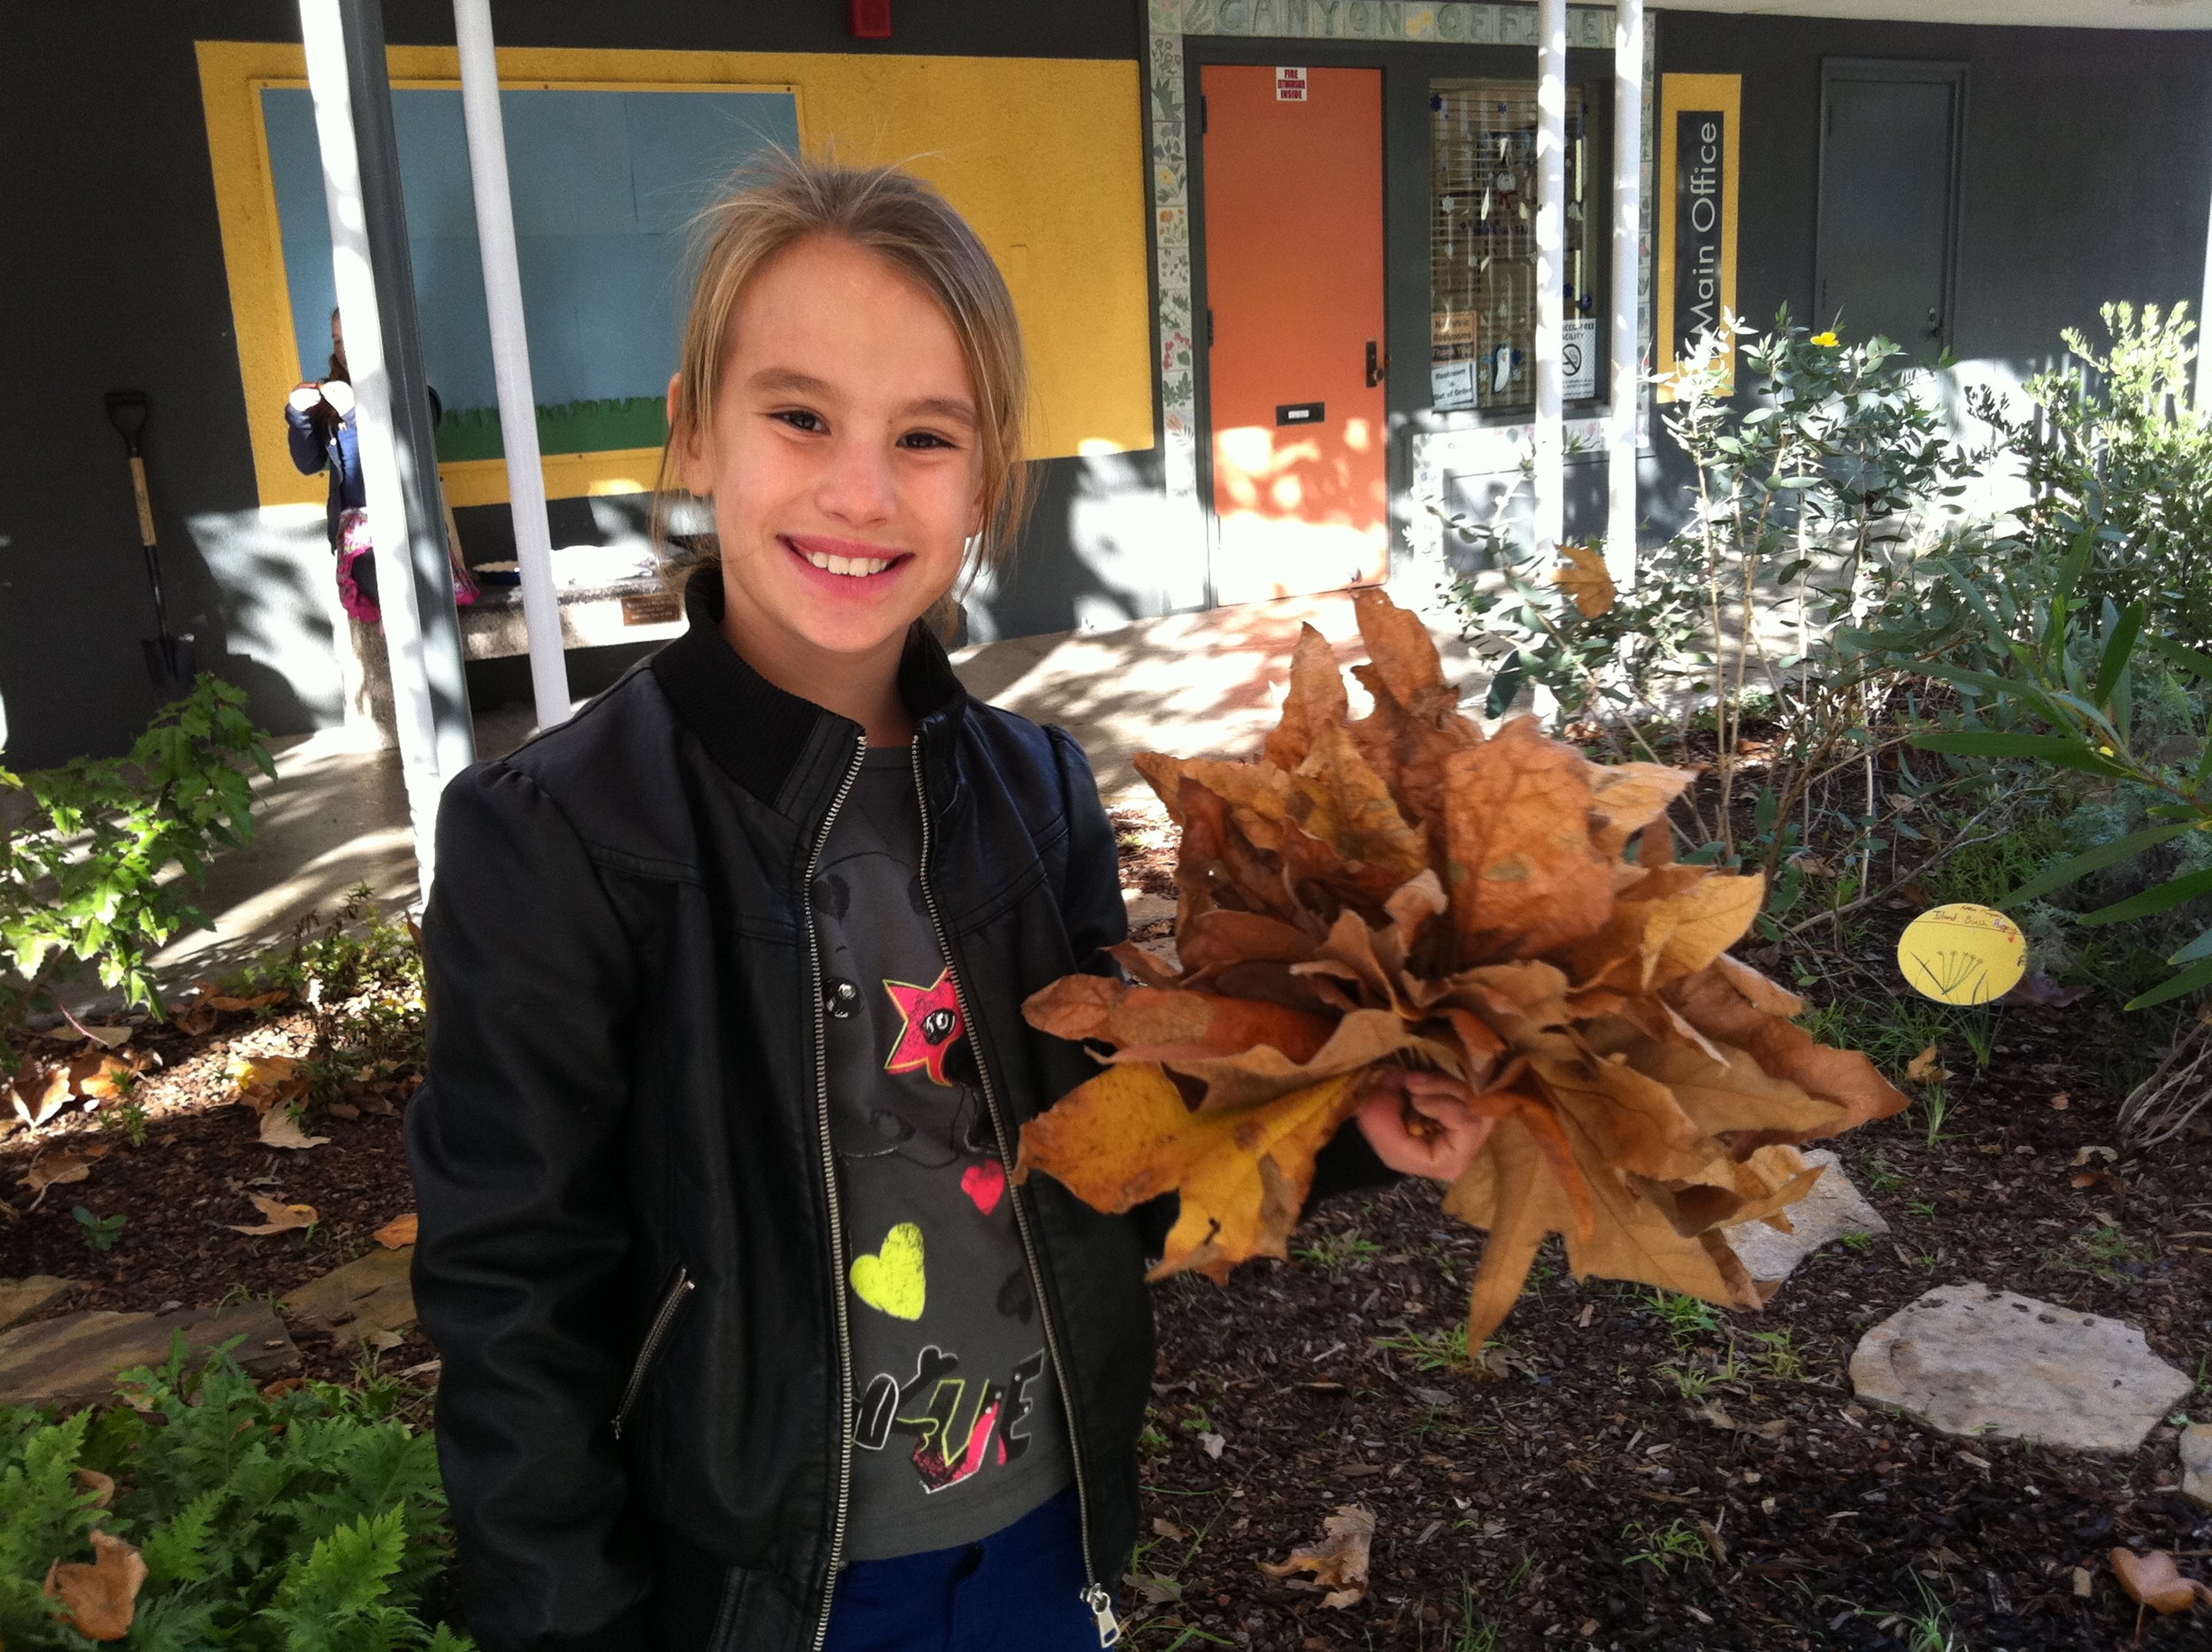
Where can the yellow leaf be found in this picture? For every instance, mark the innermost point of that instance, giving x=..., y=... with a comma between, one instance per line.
x=1582, y=574
x=265, y=1082
x=280, y=1128
x=278, y=1217
x=397, y=1234
x=1126, y=1136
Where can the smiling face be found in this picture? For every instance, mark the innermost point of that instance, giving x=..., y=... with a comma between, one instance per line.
x=843, y=466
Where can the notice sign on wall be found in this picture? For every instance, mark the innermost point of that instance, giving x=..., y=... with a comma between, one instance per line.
x=1700, y=142
x=1290, y=86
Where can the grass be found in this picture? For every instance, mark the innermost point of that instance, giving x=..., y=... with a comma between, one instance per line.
x=1683, y=1319
x=1664, y=1547
x=1338, y=1254
x=1777, y=1355
x=1432, y=1350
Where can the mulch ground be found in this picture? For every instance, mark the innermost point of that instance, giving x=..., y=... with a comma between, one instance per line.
x=1568, y=1492
x=185, y=1190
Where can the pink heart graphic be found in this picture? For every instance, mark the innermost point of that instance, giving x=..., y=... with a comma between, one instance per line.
x=983, y=1183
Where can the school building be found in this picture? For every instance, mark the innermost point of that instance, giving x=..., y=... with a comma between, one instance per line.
x=1284, y=267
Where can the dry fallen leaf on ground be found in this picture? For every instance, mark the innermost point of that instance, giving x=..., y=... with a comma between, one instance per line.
x=52, y=1170
x=1399, y=891
x=268, y=1082
x=1339, y=1560
x=102, y=1598
x=281, y=1217
x=397, y=1232
x=257, y=1001
x=2154, y=1580
x=280, y=1128
x=101, y=1486
x=1925, y=1068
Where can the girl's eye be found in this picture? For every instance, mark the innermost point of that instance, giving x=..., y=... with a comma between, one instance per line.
x=923, y=439
x=799, y=418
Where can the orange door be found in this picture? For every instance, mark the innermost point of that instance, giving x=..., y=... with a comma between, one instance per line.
x=1294, y=283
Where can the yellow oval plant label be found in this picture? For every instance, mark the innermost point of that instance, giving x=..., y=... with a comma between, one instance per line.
x=1962, y=954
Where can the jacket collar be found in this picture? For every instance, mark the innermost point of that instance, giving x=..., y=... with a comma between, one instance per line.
x=766, y=738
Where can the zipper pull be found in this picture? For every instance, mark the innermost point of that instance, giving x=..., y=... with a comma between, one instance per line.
x=1101, y=1605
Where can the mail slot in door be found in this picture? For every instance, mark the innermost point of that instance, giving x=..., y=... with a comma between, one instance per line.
x=1302, y=412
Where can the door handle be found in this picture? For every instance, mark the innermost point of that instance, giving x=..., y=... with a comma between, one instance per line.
x=1378, y=366
x=1935, y=323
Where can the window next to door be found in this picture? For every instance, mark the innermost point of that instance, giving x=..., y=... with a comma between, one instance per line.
x=1482, y=247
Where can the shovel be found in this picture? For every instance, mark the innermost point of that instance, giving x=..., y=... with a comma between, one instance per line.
x=170, y=661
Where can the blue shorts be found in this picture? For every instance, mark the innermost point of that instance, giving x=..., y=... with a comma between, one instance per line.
x=1018, y=1590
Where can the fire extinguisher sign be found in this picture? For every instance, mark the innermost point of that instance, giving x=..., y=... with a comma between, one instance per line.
x=1290, y=86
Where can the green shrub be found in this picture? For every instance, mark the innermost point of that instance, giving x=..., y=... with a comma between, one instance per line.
x=2116, y=456
x=84, y=849
x=311, y=1521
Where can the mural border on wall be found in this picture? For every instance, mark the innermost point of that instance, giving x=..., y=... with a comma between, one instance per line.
x=1064, y=215
x=1486, y=449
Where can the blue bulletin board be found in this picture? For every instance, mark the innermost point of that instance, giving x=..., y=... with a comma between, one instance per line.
x=604, y=184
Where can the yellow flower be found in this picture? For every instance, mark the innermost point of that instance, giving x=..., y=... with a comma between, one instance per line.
x=1827, y=339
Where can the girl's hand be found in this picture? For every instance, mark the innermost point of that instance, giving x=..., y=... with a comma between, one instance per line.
x=1441, y=1154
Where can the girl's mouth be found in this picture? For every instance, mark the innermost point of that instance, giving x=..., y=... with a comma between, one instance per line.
x=843, y=559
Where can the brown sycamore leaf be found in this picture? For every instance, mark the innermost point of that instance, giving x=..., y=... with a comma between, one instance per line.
x=99, y=1599
x=1925, y=1068
x=279, y=1217
x=397, y=1234
x=1339, y=1560
x=1398, y=892
x=1583, y=575
x=101, y=1486
x=2153, y=1579
x=280, y=1128
x=40, y=1093
x=55, y=1170
x=257, y=1001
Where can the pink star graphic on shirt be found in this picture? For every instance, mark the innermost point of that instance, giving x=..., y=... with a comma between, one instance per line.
x=933, y=1026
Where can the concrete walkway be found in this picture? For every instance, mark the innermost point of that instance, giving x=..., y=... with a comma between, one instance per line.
x=1193, y=684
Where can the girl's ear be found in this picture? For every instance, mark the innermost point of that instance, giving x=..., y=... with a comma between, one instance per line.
x=689, y=463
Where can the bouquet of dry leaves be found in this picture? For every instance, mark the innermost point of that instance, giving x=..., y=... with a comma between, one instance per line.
x=1399, y=889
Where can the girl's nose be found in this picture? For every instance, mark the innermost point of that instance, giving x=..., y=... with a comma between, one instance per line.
x=857, y=486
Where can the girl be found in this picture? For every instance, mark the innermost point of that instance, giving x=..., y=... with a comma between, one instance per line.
x=747, y=1341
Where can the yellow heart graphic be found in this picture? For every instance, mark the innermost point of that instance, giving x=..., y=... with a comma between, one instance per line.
x=892, y=1280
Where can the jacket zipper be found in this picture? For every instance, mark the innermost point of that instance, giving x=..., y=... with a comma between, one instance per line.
x=1095, y=1597
x=654, y=1337
x=836, y=1213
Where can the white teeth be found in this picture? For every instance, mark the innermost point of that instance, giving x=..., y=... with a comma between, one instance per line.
x=855, y=567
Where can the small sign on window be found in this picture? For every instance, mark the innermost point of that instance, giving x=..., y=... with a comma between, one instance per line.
x=1290, y=86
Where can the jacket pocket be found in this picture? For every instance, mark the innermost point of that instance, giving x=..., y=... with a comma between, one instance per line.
x=655, y=1338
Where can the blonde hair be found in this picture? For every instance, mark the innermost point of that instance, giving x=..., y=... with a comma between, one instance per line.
x=772, y=207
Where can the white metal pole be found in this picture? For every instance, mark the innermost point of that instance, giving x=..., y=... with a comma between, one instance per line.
x=1551, y=244
x=511, y=356
x=320, y=30
x=1628, y=271
x=2204, y=336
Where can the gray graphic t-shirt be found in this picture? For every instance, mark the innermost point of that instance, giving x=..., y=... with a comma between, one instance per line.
x=959, y=1430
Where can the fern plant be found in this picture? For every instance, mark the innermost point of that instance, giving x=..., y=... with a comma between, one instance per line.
x=309, y=1521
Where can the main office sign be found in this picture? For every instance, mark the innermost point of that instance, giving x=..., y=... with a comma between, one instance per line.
x=1700, y=121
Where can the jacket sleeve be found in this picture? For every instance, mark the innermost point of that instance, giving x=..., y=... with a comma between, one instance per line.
x=1091, y=904
x=514, y=1143
x=310, y=452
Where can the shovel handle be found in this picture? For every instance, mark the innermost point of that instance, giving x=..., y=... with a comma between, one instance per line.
x=145, y=500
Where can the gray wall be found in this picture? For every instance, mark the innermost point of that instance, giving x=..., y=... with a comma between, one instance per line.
x=2086, y=173
x=111, y=276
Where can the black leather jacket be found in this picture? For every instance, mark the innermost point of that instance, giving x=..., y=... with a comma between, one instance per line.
x=630, y=1252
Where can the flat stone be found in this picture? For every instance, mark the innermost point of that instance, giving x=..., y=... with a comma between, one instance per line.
x=372, y=1293
x=75, y=1359
x=1834, y=1208
x=1972, y=1360
x=2196, y=1463
x=1145, y=908
x=19, y=1299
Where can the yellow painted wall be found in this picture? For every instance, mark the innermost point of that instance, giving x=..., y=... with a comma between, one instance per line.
x=1044, y=156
